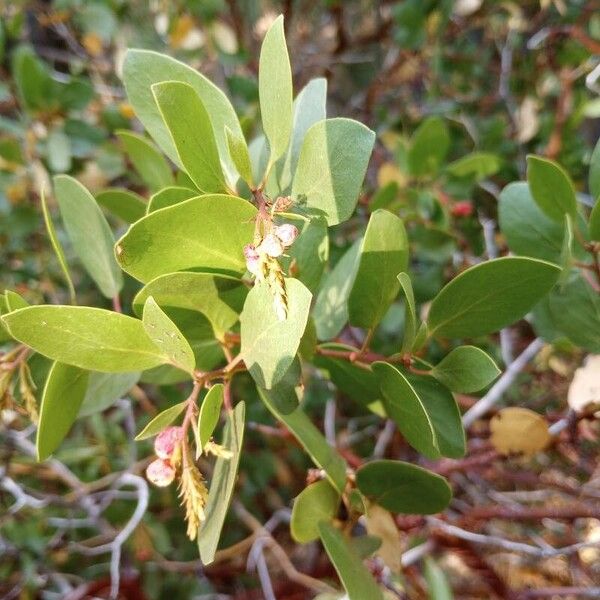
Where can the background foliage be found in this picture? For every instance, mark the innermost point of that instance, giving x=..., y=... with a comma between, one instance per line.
x=458, y=93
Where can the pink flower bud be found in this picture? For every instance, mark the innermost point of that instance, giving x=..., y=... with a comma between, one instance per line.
x=160, y=472
x=286, y=234
x=167, y=440
x=252, y=259
x=271, y=245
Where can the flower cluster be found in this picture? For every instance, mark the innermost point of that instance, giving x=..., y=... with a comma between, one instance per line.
x=261, y=261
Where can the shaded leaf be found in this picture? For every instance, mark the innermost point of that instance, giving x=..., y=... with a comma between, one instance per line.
x=466, y=369
x=210, y=411
x=122, y=203
x=317, y=502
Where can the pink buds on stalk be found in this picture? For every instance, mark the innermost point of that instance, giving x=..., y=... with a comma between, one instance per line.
x=160, y=472
x=167, y=441
x=286, y=234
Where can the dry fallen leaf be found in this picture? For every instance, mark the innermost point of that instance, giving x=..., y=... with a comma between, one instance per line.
x=528, y=122
x=585, y=387
x=519, y=431
x=380, y=523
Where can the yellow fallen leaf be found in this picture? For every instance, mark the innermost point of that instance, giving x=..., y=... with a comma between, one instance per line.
x=379, y=522
x=389, y=172
x=519, y=431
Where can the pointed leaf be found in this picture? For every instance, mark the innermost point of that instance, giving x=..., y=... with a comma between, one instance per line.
x=410, y=312
x=595, y=221
x=383, y=254
x=219, y=297
x=89, y=338
x=490, y=296
x=331, y=167
x=161, y=421
x=275, y=89
x=205, y=232
x=466, y=369
x=56, y=246
x=63, y=394
x=269, y=345
x=89, y=232
x=189, y=124
x=165, y=335
x=210, y=411
x=403, y=488
x=221, y=485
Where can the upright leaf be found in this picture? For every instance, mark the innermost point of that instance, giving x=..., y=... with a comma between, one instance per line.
x=356, y=578
x=63, y=394
x=594, y=175
x=331, y=307
x=275, y=89
x=490, y=296
x=383, y=254
x=56, y=246
x=143, y=68
x=165, y=335
x=269, y=344
x=210, y=411
x=147, y=160
x=551, y=187
x=403, y=488
x=189, y=124
x=527, y=229
x=205, y=232
x=410, y=312
x=238, y=151
x=331, y=167
x=428, y=147
x=90, y=234
x=594, y=225
x=312, y=440
x=221, y=485
x=89, y=338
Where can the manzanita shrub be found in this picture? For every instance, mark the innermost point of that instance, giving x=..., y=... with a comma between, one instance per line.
x=231, y=259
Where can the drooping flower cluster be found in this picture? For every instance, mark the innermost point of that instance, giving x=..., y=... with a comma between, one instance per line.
x=173, y=453
x=261, y=261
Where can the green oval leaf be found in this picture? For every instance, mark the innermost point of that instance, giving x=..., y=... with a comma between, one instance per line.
x=490, y=296
x=403, y=488
x=89, y=338
x=383, y=254
x=104, y=389
x=170, y=196
x=167, y=337
x=466, y=369
x=189, y=124
x=161, y=421
x=63, y=394
x=205, y=232
x=551, y=187
x=318, y=502
x=428, y=147
x=275, y=89
x=268, y=344
x=331, y=167
x=89, y=233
